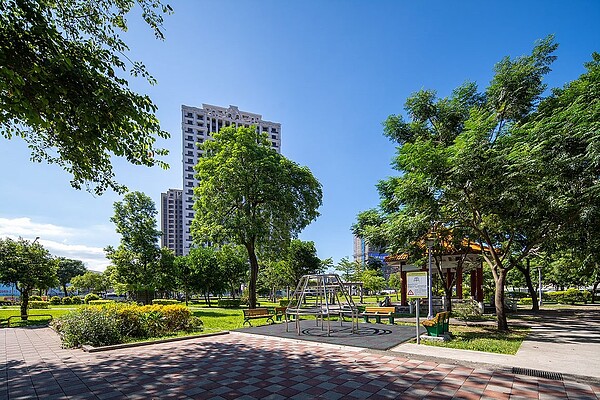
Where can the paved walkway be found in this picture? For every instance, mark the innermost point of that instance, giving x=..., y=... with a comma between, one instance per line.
x=246, y=366
x=565, y=341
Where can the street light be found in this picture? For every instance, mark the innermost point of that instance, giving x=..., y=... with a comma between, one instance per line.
x=36, y=239
x=430, y=242
x=540, y=302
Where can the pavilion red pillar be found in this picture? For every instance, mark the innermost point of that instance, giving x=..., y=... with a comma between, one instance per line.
x=459, y=274
x=449, y=277
x=404, y=289
x=480, y=284
x=474, y=283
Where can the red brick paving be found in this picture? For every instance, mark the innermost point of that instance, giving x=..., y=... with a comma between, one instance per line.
x=240, y=366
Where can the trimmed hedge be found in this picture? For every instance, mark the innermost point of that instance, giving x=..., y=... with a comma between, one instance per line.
x=526, y=301
x=55, y=300
x=76, y=300
x=229, y=303
x=570, y=296
x=284, y=303
x=99, y=302
x=67, y=301
x=38, y=305
x=101, y=325
x=165, y=302
x=90, y=296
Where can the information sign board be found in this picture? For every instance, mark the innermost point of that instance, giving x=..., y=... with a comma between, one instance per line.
x=416, y=283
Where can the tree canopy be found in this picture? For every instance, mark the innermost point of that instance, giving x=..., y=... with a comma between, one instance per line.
x=137, y=259
x=251, y=195
x=62, y=86
x=67, y=270
x=504, y=167
x=26, y=265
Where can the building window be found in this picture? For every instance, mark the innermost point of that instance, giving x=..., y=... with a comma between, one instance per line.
x=274, y=137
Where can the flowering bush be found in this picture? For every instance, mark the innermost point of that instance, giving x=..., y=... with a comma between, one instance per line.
x=112, y=323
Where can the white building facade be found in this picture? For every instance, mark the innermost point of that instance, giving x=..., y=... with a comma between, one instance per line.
x=171, y=221
x=198, y=124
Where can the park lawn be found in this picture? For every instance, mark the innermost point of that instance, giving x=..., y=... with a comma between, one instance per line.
x=223, y=319
x=483, y=338
x=32, y=320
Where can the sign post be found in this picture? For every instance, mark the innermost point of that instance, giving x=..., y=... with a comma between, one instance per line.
x=416, y=283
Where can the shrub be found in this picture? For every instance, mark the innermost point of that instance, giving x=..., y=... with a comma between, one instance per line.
x=76, y=300
x=67, y=301
x=55, y=300
x=35, y=298
x=88, y=326
x=229, y=303
x=38, y=305
x=556, y=297
x=125, y=322
x=90, y=296
x=284, y=303
x=526, y=301
x=466, y=310
x=99, y=302
x=165, y=301
x=571, y=296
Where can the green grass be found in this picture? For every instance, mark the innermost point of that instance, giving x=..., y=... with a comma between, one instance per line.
x=15, y=311
x=483, y=338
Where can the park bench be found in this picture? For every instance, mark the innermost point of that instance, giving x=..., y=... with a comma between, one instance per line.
x=438, y=325
x=279, y=312
x=256, y=313
x=25, y=317
x=379, y=312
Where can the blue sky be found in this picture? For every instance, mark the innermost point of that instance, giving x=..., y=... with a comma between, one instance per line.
x=329, y=71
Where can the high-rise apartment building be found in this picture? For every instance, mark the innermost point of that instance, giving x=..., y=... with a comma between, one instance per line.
x=171, y=221
x=198, y=124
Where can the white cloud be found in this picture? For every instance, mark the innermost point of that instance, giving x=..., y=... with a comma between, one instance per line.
x=85, y=244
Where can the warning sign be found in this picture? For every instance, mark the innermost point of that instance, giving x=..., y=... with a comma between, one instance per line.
x=416, y=283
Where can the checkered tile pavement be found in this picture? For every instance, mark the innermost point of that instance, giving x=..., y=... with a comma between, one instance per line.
x=243, y=366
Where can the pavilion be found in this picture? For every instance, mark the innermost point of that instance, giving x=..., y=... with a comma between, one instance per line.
x=450, y=265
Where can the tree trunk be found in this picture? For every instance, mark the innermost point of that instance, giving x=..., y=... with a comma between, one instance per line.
x=499, y=299
x=253, y=275
x=65, y=289
x=24, y=303
x=526, y=271
x=594, y=291
x=448, y=295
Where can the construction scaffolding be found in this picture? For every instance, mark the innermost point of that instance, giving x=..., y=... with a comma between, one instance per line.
x=321, y=296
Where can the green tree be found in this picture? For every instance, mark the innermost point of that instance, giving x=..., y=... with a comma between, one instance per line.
x=486, y=163
x=184, y=275
x=372, y=281
x=233, y=263
x=166, y=274
x=301, y=259
x=27, y=266
x=91, y=281
x=67, y=270
x=347, y=268
x=251, y=195
x=62, y=86
x=208, y=277
x=273, y=275
x=395, y=282
x=137, y=259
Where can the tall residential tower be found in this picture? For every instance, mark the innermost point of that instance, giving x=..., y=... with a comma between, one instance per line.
x=198, y=124
x=171, y=220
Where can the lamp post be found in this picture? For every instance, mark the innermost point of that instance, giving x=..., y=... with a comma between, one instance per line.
x=430, y=242
x=36, y=239
x=540, y=302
